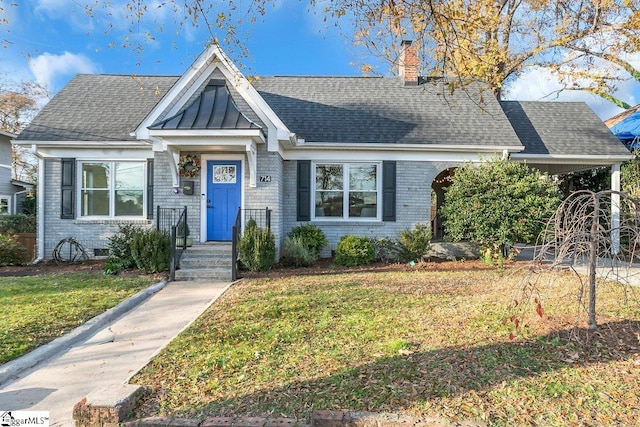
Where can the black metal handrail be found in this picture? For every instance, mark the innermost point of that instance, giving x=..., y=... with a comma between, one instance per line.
x=262, y=218
x=174, y=221
x=235, y=237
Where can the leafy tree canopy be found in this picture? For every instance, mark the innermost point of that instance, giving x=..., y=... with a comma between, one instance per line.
x=19, y=103
x=588, y=44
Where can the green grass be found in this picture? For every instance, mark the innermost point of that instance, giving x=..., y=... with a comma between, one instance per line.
x=38, y=309
x=426, y=343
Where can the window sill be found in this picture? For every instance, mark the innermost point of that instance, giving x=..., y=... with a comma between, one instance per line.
x=116, y=221
x=347, y=222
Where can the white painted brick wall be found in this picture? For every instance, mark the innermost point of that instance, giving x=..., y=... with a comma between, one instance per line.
x=92, y=234
x=413, y=204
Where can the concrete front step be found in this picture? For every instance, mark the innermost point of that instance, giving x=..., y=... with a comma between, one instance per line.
x=223, y=274
x=206, y=262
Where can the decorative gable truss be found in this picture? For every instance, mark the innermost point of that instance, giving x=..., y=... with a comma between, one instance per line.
x=199, y=111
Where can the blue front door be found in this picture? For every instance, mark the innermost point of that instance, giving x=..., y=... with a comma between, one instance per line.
x=224, y=185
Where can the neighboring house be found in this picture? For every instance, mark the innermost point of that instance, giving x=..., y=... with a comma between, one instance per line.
x=353, y=155
x=626, y=127
x=12, y=192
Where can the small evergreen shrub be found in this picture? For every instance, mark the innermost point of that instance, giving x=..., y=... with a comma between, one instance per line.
x=20, y=223
x=296, y=253
x=150, y=250
x=311, y=236
x=354, y=250
x=120, y=256
x=414, y=243
x=11, y=252
x=386, y=249
x=257, y=247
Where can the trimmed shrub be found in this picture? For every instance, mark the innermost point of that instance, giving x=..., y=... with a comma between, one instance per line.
x=150, y=250
x=296, y=253
x=311, y=236
x=120, y=256
x=354, y=250
x=20, y=223
x=497, y=204
x=386, y=249
x=257, y=247
x=11, y=252
x=414, y=243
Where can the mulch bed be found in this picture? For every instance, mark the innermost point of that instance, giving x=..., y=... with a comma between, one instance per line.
x=323, y=266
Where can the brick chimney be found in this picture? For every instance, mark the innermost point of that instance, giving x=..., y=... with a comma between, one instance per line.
x=408, y=63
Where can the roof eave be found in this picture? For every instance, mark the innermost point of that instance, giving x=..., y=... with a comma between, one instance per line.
x=411, y=147
x=84, y=144
x=574, y=158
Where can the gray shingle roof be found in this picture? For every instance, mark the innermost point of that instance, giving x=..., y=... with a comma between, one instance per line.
x=382, y=110
x=339, y=110
x=561, y=128
x=98, y=107
x=212, y=109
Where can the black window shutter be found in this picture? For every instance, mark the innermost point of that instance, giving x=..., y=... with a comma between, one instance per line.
x=68, y=180
x=149, y=188
x=304, y=190
x=389, y=191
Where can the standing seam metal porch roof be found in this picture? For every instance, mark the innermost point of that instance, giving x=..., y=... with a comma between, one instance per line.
x=212, y=109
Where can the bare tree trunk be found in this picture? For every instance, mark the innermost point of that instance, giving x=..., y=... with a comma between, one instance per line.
x=593, y=260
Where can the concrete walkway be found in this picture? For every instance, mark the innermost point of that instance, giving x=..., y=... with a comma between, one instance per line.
x=110, y=356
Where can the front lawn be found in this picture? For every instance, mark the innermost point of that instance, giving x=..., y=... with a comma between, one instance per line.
x=424, y=343
x=38, y=309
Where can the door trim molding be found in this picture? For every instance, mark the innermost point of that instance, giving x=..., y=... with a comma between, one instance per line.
x=204, y=158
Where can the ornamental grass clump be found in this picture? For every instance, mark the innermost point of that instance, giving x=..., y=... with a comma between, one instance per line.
x=296, y=253
x=311, y=236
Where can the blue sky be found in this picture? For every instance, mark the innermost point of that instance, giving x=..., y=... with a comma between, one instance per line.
x=52, y=40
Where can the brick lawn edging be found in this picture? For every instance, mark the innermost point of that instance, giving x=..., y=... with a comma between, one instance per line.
x=318, y=419
x=110, y=406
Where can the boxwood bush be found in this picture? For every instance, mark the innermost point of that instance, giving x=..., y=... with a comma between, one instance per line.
x=354, y=250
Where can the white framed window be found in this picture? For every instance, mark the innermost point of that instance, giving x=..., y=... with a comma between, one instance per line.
x=112, y=188
x=346, y=190
x=5, y=206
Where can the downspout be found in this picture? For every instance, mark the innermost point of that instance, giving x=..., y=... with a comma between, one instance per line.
x=40, y=212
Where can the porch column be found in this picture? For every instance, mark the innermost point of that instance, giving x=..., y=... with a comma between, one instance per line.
x=615, y=209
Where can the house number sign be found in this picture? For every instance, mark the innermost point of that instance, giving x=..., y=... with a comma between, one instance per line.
x=265, y=178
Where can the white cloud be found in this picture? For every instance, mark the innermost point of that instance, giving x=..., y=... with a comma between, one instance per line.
x=50, y=69
x=71, y=11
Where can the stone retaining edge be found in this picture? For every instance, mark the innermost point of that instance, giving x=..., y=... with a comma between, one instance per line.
x=109, y=407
